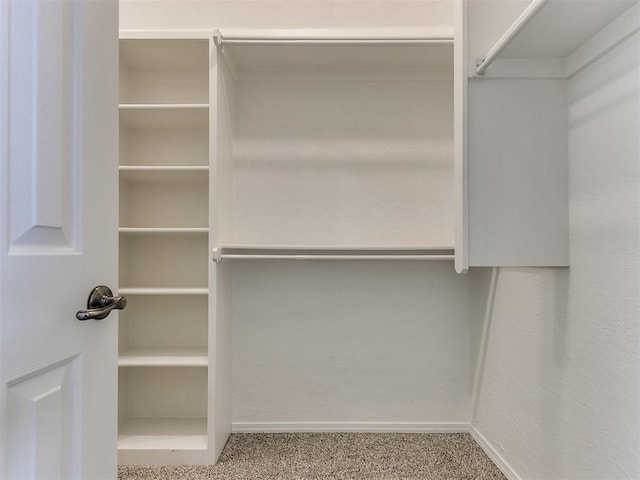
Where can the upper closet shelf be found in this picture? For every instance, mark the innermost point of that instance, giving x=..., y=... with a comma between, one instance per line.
x=306, y=49
x=561, y=37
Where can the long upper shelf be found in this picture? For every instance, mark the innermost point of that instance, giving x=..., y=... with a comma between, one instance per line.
x=555, y=29
x=311, y=49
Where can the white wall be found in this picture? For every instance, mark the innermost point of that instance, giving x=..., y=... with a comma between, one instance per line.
x=350, y=342
x=559, y=396
x=343, y=163
x=208, y=14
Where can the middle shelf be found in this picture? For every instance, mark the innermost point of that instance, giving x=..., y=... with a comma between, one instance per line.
x=163, y=357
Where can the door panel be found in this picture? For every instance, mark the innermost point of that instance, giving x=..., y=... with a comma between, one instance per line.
x=43, y=141
x=40, y=408
x=58, y=237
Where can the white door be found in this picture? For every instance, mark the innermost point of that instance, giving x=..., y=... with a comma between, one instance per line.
x=58, y=237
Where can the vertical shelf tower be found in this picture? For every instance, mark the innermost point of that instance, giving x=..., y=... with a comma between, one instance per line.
x=164, y=244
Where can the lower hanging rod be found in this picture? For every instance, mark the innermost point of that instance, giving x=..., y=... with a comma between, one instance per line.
x=241, y=256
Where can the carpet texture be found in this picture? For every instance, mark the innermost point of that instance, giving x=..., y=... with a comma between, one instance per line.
x=336, y=456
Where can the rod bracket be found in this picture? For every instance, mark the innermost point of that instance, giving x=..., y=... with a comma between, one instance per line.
x=217, y=39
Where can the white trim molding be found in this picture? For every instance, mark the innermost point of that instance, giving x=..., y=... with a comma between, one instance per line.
x=395, y=427
x=495, y=456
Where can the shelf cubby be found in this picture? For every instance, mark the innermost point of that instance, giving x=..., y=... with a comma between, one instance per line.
x=163, y=434
x=164, y=321
x=164, y=71
x=163, y=261
x=163, y=408
x=164, y=136
x=164, y=198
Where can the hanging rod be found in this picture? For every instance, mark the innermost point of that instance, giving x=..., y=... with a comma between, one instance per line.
x=332, y=253
x=235, y=256
x=302, y=38
x=527, y=15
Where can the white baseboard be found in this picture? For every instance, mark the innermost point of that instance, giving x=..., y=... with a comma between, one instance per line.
x=493, y=454
x=399, y=427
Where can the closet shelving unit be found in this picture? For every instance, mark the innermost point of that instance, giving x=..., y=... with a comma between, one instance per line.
x=164, y=243
x=303, y=145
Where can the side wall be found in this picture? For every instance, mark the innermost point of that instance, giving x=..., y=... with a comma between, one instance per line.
x=559, y=393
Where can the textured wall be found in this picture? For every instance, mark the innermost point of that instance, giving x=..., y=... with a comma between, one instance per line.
x=559, y=397
x=350, y=342
x=207, y=14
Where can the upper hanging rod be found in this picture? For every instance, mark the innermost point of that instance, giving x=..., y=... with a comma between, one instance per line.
x=531, y=11
x=319, y=37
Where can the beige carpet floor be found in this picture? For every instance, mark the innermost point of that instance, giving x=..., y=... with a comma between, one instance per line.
x=336, y=456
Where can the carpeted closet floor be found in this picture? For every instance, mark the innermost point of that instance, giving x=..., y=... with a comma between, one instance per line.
x=337, y=456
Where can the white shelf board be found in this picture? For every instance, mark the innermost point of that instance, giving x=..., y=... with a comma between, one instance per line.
x=162, y=173
x=162, y=230
x=548, y=35
x=561, y=26
x=170, y=116
x=163, y=291
x=163, y=357
x=333, y=252
x=382, y=35
x=163, y=434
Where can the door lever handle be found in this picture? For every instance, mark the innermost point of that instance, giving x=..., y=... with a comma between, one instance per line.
x=100, y=303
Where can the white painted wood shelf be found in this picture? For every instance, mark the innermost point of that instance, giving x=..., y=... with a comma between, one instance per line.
x=163, y=291
x=164, y=357
x=163, y=434
x=552, y=33
x=332, y=252
x=163, y=231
